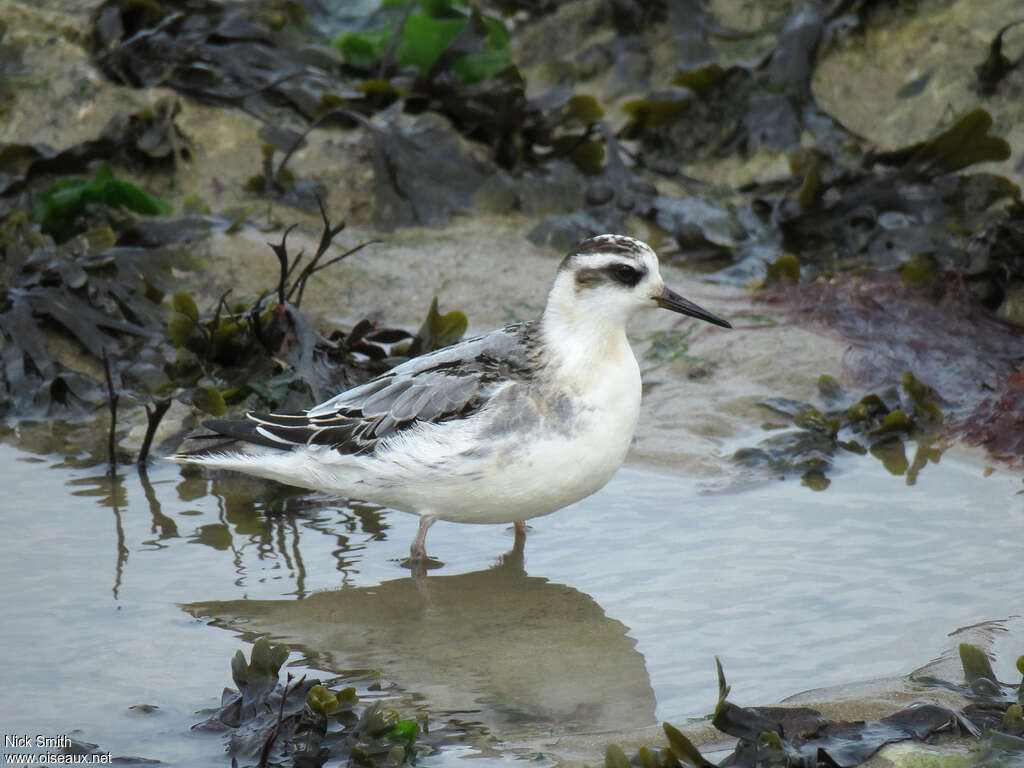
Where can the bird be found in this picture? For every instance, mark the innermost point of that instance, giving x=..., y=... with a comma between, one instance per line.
x=501, y=428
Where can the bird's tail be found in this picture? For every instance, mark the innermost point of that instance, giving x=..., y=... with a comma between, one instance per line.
x=228, y=444
x=241, y=446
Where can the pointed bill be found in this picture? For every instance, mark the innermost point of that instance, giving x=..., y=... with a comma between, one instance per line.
x=669, y=299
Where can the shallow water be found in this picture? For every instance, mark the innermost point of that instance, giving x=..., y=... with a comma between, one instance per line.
x=612, y=620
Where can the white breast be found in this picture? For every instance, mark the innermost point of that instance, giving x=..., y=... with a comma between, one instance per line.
x=568, y=448
x=537, y=446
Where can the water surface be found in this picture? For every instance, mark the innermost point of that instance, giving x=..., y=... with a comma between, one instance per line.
x=611, y=620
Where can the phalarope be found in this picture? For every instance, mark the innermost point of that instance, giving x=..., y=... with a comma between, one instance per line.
x=496, y=429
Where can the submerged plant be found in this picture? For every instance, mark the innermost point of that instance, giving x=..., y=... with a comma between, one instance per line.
x=303, y=722
x=878, y=424
x=801, y=736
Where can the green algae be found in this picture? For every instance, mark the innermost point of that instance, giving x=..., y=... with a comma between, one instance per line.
x=614, y=757
x=963, y=144
x=309, y=720
x=667, y=346
x=895, y=421
x=683, y=749
x=701, y=78
x=59, y=208
x=656, y=109
x=1013, y=720
x=404, y=731
x=786, y=267
x=437, y=331
x=828, y=388
x=815, y=479
x=814, y=420
x=873, y=424
x=975, y=663
x=919, y=269
x=926, y=408
x=420, y=39
x=992, y=698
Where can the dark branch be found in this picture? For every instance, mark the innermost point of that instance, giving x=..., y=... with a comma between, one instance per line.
x=388, y=57
x=272, y=735
x=153, y=417
x=326, y=236
x=112, y=404
x=281, y=251
x=338, y=112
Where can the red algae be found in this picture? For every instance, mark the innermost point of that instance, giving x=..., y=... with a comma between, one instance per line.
x=971, y=360
x=997, y=422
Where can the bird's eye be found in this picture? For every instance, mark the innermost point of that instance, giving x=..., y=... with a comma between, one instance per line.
x=626, y=274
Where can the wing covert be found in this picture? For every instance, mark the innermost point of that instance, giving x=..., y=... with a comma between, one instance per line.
x=453, y=382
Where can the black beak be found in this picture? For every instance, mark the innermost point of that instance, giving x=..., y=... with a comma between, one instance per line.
x=669, y=299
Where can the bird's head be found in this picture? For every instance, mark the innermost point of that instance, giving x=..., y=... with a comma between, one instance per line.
x=607, y=278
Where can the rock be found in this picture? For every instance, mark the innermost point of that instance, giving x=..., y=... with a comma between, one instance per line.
x=1012, y=309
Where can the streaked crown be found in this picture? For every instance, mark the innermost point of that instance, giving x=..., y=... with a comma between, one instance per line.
x=611, y=261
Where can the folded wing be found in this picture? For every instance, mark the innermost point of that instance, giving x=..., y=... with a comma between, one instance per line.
x=450, y=383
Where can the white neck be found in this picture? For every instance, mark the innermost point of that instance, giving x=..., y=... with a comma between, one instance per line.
x=585, y=341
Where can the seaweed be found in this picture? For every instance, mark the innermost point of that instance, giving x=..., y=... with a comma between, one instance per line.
x=265, y=346
x=801, y=737
x=243, y=55
x=445, y=58
x=443, y=34
x=239, y=54
x=765, y=102
x=77, y=267
x=306, y=722
x=845, y=206
x=997, y=65
x=994, y=705
x=437, y=331
x=409, y=155
x=885, y=219
x=149, y=139
x=997, y=422
x=60, y=209
x=279, y=183
x=878, y=424
x=74, y=264
x=101, y=296
x=963, y=144
x=258, y=345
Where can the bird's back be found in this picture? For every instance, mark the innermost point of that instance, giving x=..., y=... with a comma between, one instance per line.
x=447, y=385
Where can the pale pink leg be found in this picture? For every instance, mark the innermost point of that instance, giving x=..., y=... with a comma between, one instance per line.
x=418, y=550
x=520, y=527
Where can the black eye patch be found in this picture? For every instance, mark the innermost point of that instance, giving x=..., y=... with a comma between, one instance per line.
x=625, y=274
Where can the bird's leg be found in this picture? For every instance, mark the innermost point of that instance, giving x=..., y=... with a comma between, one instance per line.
x=514, y=557
x=519, y=527
x=418, y=549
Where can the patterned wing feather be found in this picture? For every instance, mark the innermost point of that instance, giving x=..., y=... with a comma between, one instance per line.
x=450, y=383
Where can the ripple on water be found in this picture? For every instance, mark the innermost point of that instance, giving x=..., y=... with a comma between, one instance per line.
x=633, y=590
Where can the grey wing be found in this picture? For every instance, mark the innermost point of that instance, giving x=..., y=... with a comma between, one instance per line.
x=450, y=383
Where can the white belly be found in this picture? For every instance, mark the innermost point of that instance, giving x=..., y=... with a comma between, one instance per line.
x=518, y=474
